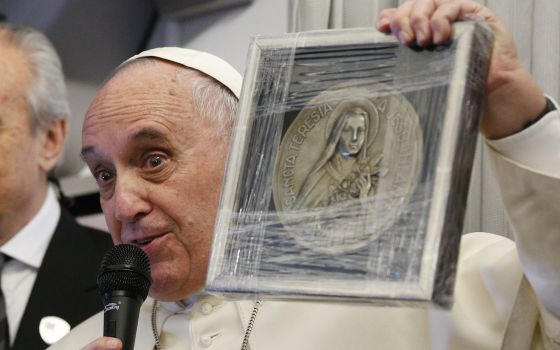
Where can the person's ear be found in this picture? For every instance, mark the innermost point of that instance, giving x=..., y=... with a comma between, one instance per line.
x=51, y=144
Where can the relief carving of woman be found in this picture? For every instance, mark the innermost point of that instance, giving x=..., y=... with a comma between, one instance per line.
x=344, y=170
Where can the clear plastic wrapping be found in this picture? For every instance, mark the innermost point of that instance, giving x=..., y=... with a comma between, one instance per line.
x=349, y=168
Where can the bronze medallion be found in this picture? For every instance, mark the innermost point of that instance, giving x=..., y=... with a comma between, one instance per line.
x=346, y=167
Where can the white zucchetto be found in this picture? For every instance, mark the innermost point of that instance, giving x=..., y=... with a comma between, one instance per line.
x=204, y=62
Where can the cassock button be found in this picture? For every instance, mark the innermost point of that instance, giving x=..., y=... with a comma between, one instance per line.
x=205, y=308
x=53, y=328
x=206, y=341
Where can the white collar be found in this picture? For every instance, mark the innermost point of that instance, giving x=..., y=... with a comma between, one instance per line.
x=186, y=305
x=29, y=245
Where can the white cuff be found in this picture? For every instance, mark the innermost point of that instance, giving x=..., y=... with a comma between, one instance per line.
x=537, y=147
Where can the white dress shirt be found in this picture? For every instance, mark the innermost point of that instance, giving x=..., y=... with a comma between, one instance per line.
x=27, y=248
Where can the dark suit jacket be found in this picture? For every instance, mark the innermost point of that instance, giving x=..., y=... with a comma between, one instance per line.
x=66, y=282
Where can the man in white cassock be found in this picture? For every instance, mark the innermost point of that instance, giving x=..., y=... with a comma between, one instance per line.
x=155, y=137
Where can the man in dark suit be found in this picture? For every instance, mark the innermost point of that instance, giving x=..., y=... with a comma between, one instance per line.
x=48, y=261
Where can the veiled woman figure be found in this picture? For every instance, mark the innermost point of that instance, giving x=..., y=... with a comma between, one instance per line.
x=344, y=170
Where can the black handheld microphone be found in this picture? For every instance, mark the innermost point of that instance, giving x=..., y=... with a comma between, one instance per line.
x=123, y=281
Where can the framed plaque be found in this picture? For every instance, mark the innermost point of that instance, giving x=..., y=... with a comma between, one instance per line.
x=349, y=168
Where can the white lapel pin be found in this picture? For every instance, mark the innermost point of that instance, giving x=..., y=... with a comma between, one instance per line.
x=53, y=328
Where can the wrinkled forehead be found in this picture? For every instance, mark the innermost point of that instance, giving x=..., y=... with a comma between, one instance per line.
x=157, y=89
x=150, y=76
x=138, y=102
x=15, y=74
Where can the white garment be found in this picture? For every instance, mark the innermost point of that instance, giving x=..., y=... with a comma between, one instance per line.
x=27, y=248
x=488, y=279
x=538, y=148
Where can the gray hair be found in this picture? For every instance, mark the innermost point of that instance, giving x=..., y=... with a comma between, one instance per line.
x=215, y=102
x=212, y=100
x=47, y=96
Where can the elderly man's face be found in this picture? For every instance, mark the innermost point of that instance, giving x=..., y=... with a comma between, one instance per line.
x=159, y=168
x=22, y=174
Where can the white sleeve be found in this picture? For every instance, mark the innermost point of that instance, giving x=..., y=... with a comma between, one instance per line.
x=528, y=169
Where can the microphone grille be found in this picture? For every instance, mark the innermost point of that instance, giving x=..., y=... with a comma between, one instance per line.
x=125, y=267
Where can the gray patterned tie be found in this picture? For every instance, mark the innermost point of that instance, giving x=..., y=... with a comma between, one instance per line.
x=4, y=330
